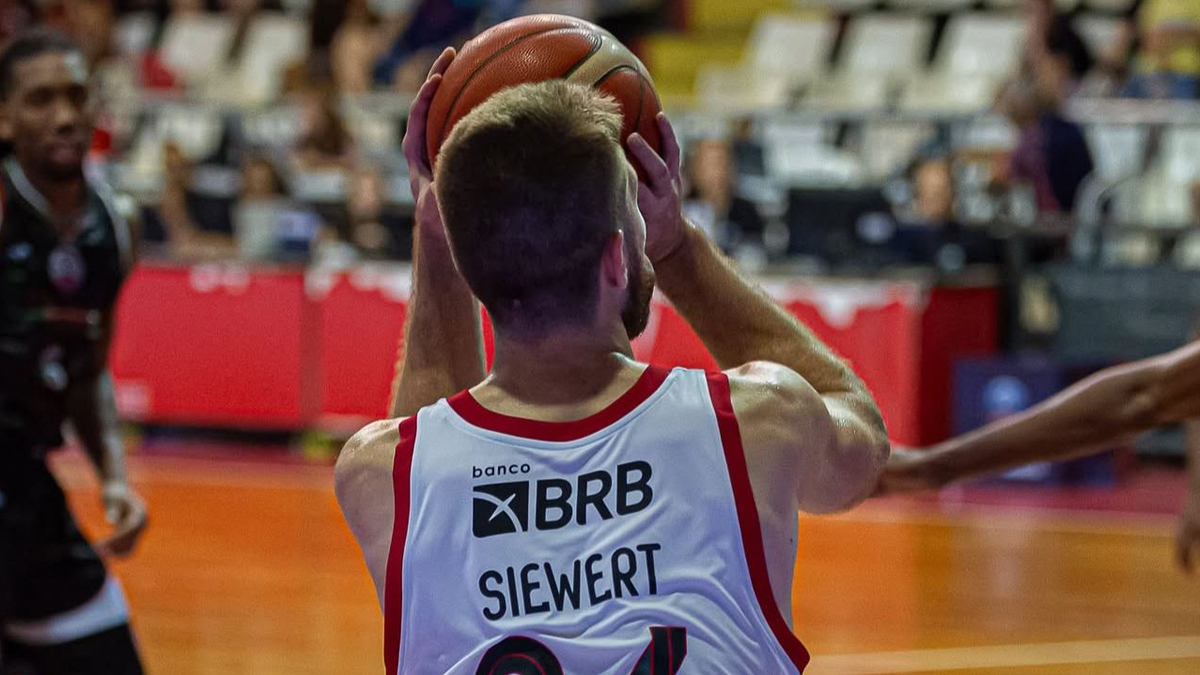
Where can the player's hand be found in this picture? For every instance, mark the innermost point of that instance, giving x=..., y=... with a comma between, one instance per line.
x=906, y=471
x=1187, y=539
x=659, y=192
x=126, y=512
x=420, y=172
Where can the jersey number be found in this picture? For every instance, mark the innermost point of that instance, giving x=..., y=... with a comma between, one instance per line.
x=526, y=656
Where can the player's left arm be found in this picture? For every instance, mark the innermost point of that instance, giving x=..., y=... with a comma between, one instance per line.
x=92, y=409
x=365, y=491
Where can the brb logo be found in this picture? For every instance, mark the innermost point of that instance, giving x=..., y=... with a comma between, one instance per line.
x=552, y=503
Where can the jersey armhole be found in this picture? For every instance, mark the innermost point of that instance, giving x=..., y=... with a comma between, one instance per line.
x=747, y=516
x=393, y=594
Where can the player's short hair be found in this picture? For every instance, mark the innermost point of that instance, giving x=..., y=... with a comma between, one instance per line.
x=531, y=185
x=30, y=44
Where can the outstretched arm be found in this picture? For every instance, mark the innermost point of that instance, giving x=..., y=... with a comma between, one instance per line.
x=1111, y=405
x=442, y=351
x=789, y=387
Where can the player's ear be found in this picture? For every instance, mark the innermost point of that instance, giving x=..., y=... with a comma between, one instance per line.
x=612, y=263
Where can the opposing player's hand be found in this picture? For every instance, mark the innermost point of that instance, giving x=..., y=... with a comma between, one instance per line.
x=906, y=471
x=126, y=512
x=420, y=172
x=659, y=192
x=1187, y=539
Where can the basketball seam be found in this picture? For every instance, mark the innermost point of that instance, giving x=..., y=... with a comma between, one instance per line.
x=637, y=119
x=466, y=83
x=579, y=64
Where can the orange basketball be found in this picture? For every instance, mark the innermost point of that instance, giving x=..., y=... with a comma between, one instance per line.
x=538, y=48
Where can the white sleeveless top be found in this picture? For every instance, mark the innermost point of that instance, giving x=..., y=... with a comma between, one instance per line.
x=626, y=543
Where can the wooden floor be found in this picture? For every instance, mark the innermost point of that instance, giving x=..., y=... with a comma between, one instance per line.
x=247, y=568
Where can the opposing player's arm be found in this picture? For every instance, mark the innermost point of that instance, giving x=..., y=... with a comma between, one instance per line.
x=365, y=492
x=1107, y=407
x=442, y=352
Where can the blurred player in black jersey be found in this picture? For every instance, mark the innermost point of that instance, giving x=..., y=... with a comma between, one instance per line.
x=64, y=251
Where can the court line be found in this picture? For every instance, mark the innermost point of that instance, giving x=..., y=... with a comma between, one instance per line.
x=1010, y=656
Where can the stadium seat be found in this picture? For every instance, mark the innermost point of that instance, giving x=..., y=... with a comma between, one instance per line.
x=1187, y=251
x=948, y=93
x=1119, y=151
x=274, y=42
x=787, y=45
x=1109, y=6
x=846, y=92
x=799, y=153
x=1099, y=32
x=981, y=43
x=888, y=44
x=886, y=148
x=194, y=45
x=1063, y=5
x=731, y=90
x=277, y=127
x=582, y=9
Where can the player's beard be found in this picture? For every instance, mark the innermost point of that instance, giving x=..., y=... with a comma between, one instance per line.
x=636, y=313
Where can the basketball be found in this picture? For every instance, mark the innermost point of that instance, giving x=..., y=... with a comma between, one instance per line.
x=538, y=48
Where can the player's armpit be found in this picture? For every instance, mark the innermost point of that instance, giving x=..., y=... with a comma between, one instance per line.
x=826, y=448
x=363, y=483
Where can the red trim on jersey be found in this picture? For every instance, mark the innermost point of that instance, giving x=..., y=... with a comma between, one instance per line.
x=747, y=511
x=393, y=590
x=470, y=410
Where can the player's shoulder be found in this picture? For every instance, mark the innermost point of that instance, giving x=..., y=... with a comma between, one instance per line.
x=366, y=459
x=774, y=404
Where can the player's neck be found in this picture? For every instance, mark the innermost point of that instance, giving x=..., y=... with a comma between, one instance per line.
x=559, y=367
x=62, y=197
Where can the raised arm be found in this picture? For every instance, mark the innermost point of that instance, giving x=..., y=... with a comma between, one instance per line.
x=1114, y=404
x=790, y=392
x=442, y=352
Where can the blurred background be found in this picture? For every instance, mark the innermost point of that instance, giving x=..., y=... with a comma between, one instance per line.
x=977, y=202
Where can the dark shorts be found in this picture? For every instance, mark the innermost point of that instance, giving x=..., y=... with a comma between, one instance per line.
x=110, y=652
x=47, y=567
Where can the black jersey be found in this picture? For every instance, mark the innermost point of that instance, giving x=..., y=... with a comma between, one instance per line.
x=57, y=283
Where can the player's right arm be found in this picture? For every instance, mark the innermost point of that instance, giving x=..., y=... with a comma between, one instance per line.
x=365, y=493
x=798, y=405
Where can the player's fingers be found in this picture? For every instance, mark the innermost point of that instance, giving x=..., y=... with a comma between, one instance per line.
x=442, y=63
x=670, y=145
x=658, y=177
x=414, y=135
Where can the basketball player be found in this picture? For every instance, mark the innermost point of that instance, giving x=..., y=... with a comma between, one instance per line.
x=64, y=251
x=1109, y=407
x=577, y=511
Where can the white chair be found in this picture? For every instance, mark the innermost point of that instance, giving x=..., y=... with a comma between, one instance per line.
x=274, y=42
x=1119, y=151
x=886, y=148
x=893, y=45
x=798, y=48
x=987, y=132
x=1187, y=251
x=1063, y=5
x=847, y=93
x=278, y=127
x=734, y=90
x=981, y=43
x=196, y=129
x=1110, y=6
x=194, y=46
x=1099, y=32
x=948, y=93
x=800, y=154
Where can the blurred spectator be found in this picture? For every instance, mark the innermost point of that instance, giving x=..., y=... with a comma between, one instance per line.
x=930, y=234
x=325, y=143
x=186, y=240
x=356, y=46
x=16, y=16
x=1051, y=156
x=261, y=202
x=433, y=25
x=368, y=233
x=1167, y=62
x=712, y=202
x=1055, y=55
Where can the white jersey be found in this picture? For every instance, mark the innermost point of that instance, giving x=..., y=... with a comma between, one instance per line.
x=626, y=543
